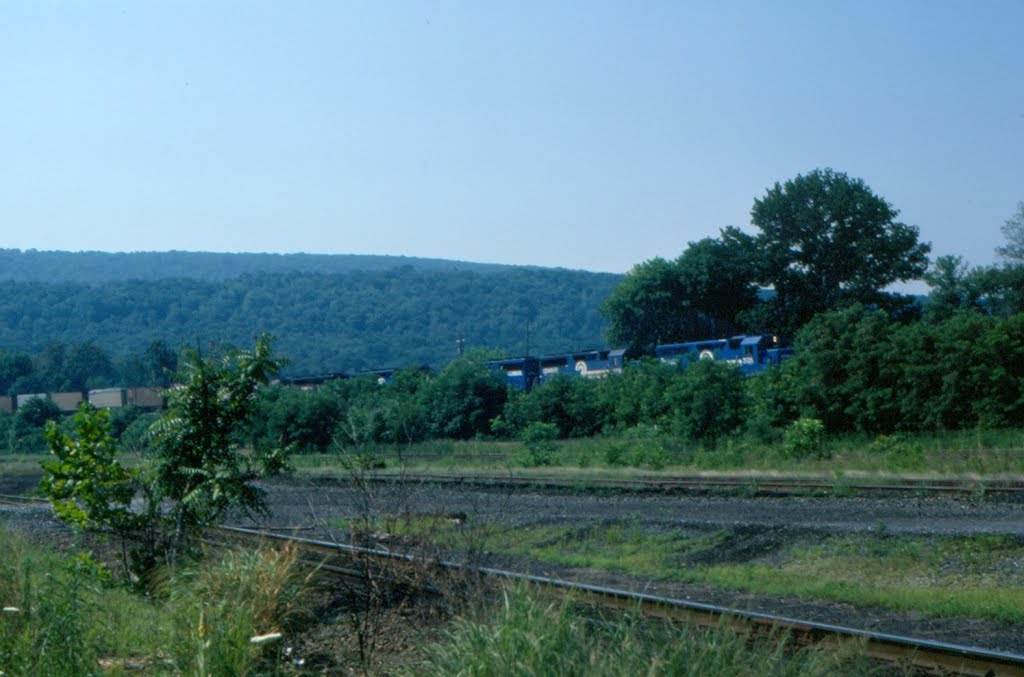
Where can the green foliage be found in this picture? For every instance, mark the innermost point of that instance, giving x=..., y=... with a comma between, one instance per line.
x=827, y=241
x=527, y=634
x=25, y=434
x=14, y=367
x=708, y=400
x=773, y=401
x=86, y=484
x=900, y=453
x=137, y=436
x=202, y=620
x=856, y=370
x=326, y=322
x=646, y=447
x=539, y=440
x=304, y=421
x=1013, y=231
x=954, y=287
x=197, y=466
x=637, y=396
x=804, y=438
x=218, y=610
x=46, y=636
x=464, y=398
x=700, y=294
x=569, y=403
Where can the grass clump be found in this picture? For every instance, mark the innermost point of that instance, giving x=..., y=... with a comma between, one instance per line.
x=220, y=608
x=67, y=615
x=527, y=634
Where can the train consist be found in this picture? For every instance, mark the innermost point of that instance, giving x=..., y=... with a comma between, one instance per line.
x=104, y=398
x=750, y=354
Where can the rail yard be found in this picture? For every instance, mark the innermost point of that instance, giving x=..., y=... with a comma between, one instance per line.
x=325, y=513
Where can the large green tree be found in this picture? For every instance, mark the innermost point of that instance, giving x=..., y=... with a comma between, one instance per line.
x=1013, y=231
x=828, y=241
x=698, y=295
x=647, y=307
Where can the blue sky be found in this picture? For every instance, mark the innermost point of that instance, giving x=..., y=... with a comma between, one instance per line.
x=579, y=134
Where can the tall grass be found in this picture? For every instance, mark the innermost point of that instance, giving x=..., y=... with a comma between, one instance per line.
x=648, y=450
x=526, y=634
x=68, y=616
x=219, y=609
x=46, y=609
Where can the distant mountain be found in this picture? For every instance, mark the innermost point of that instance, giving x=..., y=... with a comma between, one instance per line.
x=408, y=313
x=92, y=267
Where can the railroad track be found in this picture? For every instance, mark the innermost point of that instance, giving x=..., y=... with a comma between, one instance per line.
x=8, y=499
x=755, y=485
x=922, y=654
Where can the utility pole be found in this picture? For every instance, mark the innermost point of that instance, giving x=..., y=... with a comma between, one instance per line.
x=527, y=339
x=459, y=341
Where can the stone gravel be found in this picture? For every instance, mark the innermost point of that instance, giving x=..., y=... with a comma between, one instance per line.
x=770, y=522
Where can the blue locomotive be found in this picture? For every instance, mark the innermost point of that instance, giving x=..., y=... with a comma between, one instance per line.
x=522, y=373
x=751, y=354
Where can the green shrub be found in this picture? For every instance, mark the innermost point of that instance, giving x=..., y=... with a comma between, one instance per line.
x=804, y=438
x=647, y=449
x=615, y=454
x=539, y=440
x=899, y=452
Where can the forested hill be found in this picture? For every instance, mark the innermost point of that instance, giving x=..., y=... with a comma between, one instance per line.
x=92, y=267
x=362, y=319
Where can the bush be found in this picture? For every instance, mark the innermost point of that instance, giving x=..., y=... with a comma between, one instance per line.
x=899, y=453
x=804, y=438
x=646, y=447
x=539, y=440
x=709, y=400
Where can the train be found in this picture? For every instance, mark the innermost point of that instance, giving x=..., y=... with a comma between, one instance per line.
x=750, y=354
x=144, y=397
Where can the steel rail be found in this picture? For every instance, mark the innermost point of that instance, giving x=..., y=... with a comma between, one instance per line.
x=21, y=500
x=922, y=654
x=757, y=484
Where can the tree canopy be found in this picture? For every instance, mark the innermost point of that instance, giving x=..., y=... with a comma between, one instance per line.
x=828, y=241
x=697, y=295
x=1013, y=231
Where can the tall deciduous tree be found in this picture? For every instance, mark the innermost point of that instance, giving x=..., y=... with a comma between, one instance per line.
x=827, y=241
x=1013, y=231
x=699, y=295
x=647, y=307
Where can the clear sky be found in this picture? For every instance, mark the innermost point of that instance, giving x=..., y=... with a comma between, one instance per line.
x=579, y=134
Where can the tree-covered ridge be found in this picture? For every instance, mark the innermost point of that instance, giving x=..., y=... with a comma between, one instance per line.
x=359, y=320
x=96, y=267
